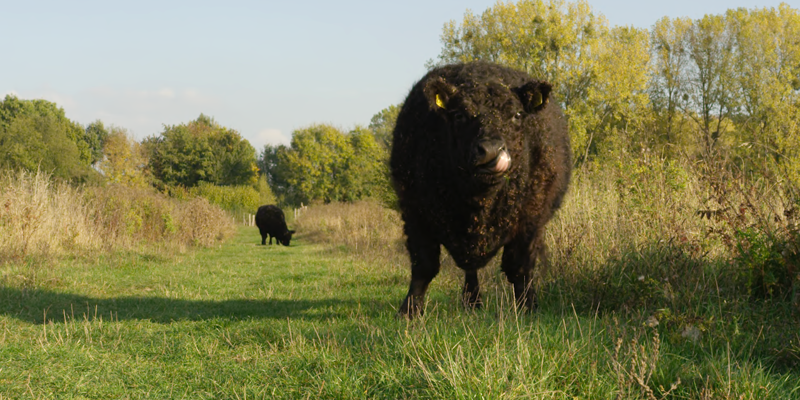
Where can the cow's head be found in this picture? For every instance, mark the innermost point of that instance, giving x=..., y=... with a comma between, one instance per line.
x=286, y=238
x=484, y=122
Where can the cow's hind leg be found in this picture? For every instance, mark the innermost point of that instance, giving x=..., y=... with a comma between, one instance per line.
x=519, y=261
x=424, y=256
x=471, y=295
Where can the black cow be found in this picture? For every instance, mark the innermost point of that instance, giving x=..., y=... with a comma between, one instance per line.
x=271, y=222
x=480, y=161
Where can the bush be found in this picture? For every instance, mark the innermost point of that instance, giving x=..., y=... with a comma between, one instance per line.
x=236, y=199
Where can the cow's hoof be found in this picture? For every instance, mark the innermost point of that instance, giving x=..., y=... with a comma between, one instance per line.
x=410, y=309
x=472, y=301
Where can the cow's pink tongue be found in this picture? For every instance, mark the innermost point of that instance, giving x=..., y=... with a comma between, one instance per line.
x=503, y=162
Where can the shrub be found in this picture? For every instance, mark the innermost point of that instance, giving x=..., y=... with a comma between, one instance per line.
x=236, y=199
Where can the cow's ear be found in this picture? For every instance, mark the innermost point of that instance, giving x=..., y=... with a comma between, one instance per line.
x=438, y=92
x=534, y=95
x=291, y=232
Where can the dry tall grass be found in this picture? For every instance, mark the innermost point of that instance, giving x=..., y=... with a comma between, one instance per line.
x=648, y=232
x=42, y=218
x=365, y=228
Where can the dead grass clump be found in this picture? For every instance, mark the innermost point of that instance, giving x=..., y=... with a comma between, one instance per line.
x=129, y=215
x=41, y=218
x=200, y=223
x=363, y=227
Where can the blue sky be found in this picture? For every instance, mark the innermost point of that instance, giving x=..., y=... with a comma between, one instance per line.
x=264, y=68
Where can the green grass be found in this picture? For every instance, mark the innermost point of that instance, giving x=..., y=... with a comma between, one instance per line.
x=247, y=321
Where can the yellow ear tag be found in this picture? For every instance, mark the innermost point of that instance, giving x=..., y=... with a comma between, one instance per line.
x=439, y=101
x=536, y=101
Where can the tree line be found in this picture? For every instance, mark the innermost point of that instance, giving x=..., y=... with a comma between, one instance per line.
x=722, y=84
x=323, y=163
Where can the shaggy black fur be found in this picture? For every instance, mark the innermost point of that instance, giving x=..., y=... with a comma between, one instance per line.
x=453, y=130
x=271, y=222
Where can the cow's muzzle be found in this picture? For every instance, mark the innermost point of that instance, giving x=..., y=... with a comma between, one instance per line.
x=491, y=157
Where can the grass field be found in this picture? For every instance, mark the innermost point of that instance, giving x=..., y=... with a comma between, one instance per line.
x=242, y=320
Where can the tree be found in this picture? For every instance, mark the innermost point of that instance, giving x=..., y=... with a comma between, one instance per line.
x=235, y=158
x=367, y=170
x=670, y=58
x=766, y=67
x=316, y=163
x=711, y=95
x=618, y=95
x=123, y=159
x=552, y=40
x=201, y=151
x=382, y=125
x=325, y=164
x=274, y=171
x=37, y=134
x=95, y=136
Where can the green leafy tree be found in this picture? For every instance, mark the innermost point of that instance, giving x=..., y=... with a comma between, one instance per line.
x=382, y=125
x=325, y=164
x=201, y=151
x=316, y=163
x=366, y=172
x=272, y=166
x=37, y=134
x=235, y=158
x=95, y=136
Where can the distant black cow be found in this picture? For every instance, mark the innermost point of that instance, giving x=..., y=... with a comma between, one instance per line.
x=480, y=161
x=271, y=222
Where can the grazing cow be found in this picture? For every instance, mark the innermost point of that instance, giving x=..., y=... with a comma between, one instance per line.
x=480, y=161
x=271, y=222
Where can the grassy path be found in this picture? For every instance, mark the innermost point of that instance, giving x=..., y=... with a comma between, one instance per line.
x=248, y=321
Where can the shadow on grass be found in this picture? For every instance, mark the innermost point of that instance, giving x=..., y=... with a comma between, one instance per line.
x=38, y=306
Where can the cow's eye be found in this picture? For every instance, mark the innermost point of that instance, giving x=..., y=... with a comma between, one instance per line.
x=517, y=117
x=459, y=117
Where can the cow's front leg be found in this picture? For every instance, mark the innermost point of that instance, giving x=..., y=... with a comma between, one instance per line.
x=471, y=295
x=519, y=262
x=424, y=256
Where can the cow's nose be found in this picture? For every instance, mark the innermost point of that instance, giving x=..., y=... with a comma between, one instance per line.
x=487, y=150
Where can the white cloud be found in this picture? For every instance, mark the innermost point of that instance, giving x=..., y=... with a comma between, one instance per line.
x=166, y=93
x=196, y=97
x=267, y=136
